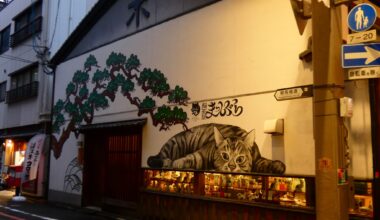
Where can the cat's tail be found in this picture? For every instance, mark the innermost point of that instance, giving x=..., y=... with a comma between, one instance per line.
x=158, y=162
x=155, y=161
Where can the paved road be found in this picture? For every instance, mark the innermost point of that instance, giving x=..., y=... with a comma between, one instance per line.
x=35, y=209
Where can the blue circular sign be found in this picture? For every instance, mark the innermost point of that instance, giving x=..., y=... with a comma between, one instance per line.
x=362, y=17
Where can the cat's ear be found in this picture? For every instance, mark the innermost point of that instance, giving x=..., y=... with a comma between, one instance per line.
x=249, y=140
x=218, y=137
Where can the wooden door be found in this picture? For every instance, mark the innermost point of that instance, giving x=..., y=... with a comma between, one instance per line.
x=123, y=164
x=112, y=167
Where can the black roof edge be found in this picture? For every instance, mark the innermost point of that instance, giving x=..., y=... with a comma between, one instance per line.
x=98, y=10
x=109, y=125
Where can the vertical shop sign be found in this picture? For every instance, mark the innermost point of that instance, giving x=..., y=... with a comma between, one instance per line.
x=32, y=157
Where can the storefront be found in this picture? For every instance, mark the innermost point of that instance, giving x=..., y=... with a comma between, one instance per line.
x=225, y=132
x=23, y=160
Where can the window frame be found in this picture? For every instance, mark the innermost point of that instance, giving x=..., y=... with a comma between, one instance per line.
x=27, y=23
x=23, y=84
x=25, y=77
x=27, y=16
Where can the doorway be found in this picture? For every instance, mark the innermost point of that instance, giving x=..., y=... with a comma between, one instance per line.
x=112, y=165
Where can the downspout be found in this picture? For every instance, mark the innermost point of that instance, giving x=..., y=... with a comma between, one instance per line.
x=50, y=133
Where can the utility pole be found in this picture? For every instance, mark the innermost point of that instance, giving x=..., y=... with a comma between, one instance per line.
x=331, y=197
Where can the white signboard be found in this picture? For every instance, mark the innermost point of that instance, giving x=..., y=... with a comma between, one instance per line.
x=32, y=157
x=294, y=93
x=364, y=73
x=361, y=37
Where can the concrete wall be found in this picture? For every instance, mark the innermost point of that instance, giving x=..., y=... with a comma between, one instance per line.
x=229, y=49
x=64, y=16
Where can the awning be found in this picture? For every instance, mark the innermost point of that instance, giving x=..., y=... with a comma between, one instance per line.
x=129, y=123
x=22, y=132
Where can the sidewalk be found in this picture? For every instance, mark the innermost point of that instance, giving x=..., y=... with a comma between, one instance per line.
x=43, y=207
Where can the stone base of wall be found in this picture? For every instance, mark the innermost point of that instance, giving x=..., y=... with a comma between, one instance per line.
x=64, y=197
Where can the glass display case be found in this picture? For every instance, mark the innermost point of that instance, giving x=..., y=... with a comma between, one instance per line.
x=363, y=203
x=234, y=186
x=294, y=191
x=287, y=190
x=169, y=181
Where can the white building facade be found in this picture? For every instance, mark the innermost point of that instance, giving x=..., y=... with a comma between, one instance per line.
x=30, y=32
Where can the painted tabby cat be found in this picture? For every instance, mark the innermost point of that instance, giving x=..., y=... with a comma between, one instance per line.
x=215, y=147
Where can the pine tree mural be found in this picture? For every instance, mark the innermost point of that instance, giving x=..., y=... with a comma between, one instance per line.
x=120, y=74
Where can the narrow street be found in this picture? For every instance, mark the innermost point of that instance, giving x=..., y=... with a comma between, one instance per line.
x=34, y=209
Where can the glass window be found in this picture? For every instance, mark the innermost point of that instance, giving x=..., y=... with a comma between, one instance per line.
x=28, y=16
x=24, y=78
x=4, y=36
x=3, y=86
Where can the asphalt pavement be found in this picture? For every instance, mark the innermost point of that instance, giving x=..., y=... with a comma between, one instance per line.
x=36, y=208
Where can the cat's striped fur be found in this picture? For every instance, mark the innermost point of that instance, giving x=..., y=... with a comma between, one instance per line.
x=215, y=147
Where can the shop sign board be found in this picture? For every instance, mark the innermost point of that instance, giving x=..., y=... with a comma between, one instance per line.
x=360, y=55
x=364, y=73
x=294, y=93
x=361, y=37
x=361, y=17
x=32, y=157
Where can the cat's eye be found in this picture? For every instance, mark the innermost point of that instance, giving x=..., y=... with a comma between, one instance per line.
x=225, y=156
x=240, y=159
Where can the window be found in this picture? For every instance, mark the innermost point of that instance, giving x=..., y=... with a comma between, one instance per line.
x=27, y=23
x=23, y=85
x=25, y=78
x=3, y=86
x=4, y=39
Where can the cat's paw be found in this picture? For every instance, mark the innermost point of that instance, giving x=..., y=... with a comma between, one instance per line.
x=183, y=163
x=179, y=164
x=278, y=167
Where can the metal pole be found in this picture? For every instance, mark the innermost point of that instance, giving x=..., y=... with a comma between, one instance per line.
x=331, y=197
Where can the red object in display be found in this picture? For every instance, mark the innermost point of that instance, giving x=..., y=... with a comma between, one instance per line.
x=14, y=175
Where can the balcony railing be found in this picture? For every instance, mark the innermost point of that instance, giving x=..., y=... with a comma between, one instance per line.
x=27, y=31
x=22, y=93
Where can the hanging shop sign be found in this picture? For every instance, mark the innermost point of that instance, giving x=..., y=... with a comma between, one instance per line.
x=361, y=55
x=361, y=17
x=294, y=93
x=364, y=73
x=32, y=157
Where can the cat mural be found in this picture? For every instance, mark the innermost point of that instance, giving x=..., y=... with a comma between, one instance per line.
x=217, y=147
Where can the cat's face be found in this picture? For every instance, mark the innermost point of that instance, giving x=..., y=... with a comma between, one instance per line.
x=233, y=154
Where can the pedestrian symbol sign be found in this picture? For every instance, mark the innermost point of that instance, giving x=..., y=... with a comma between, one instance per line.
x=362, y=17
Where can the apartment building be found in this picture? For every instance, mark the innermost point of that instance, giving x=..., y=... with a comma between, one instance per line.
x=30, y=32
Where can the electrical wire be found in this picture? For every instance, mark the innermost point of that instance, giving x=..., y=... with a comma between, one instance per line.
x=16, y=58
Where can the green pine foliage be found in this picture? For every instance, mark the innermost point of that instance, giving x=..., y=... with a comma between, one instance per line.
x=120, y=75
